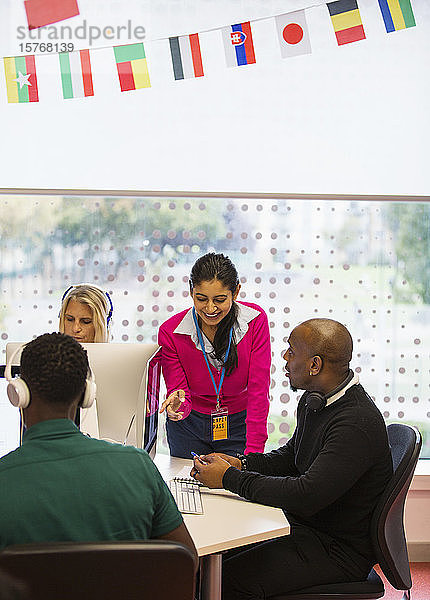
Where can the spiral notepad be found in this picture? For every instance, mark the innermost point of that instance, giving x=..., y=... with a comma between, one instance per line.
x=186, y=492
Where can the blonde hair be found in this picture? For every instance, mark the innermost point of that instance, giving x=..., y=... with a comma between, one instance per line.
x=99, y=303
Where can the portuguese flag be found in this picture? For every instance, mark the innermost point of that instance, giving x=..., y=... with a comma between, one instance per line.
x=21, y=80
x=132, y=67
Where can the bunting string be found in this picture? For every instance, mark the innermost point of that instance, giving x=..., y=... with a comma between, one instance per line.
x=187, y=60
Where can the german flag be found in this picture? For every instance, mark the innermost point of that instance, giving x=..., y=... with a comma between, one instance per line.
x=346, y=20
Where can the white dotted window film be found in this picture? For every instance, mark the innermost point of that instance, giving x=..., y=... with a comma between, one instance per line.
x=364, y=263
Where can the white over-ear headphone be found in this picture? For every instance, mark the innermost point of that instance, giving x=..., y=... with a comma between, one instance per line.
x=19, y=394
x=17, y=390
x=90, y=390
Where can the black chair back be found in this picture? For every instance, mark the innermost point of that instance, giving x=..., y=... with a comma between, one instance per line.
x=387, y=529
x=388, y=534
x=154, y=570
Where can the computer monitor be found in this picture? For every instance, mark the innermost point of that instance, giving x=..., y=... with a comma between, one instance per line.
x=128, y=383
x=128, y=386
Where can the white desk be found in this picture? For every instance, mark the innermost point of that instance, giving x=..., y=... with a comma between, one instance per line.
x=227, y=522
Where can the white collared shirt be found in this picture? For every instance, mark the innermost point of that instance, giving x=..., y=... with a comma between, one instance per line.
x=339, y=394
x=244, y=316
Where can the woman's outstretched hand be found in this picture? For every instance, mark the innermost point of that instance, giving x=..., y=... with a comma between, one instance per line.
x=172, y=404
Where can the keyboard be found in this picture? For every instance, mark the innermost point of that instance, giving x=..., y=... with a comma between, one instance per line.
x=186, y=493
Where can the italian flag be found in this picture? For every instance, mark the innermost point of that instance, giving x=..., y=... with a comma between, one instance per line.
x=132, y=67
x=21, y=80
x=76, y=75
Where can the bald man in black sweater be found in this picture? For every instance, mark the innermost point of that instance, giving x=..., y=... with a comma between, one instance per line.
x=327, y=478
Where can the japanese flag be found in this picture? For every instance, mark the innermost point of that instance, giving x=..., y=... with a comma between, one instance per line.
x=293, y=34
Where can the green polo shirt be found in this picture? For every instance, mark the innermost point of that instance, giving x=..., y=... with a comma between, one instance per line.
x=62, y=485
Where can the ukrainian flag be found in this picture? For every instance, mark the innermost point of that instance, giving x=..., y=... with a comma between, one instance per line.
x=397, y=14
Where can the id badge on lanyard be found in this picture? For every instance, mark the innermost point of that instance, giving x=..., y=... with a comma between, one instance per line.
x=219, y=415
x=219, y=423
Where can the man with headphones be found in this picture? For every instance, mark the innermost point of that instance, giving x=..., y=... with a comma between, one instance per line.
x=327, y=478
x=61, y=485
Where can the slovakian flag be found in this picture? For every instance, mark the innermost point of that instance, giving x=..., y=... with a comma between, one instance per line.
x=21, y=80
x=346, y=21
x=132, y=67
x=76, y=75
x=238, y=45
x=44, y=12
x=293, y=34
x=186, y=56
x=397, y=14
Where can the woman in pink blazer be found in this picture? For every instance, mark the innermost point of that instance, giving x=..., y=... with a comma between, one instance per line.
x=216, y=364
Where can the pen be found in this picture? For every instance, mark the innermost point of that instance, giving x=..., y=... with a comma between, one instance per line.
x=195, y=455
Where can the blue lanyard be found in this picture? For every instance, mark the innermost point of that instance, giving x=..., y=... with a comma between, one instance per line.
x=202, y=345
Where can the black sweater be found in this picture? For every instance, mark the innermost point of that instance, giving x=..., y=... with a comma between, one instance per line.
x=330, y=473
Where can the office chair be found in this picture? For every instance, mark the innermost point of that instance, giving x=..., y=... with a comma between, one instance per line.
x=155, y=570
x=386, y=529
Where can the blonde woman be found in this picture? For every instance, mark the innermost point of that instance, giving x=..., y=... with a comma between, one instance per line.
x=85, y=314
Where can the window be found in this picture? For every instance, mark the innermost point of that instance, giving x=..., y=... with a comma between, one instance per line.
x=364, y=263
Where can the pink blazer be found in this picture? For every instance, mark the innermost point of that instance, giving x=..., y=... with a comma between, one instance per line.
x=247, y=388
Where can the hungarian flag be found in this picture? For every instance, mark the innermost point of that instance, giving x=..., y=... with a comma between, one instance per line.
x=186, y=56
x=76, y=76
x=21, y=80
x=132, y=67
x=397, y=14
x=293, y=34
x=238, y=44
x=44, y=12
x=346, y=21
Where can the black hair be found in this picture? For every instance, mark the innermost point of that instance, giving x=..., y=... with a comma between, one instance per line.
x=217, y=266
x=55, y=367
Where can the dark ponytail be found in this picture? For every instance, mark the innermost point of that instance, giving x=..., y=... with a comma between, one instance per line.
x=217, y=266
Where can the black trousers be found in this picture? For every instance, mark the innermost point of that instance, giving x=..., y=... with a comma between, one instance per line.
x=289, y=563
x=194, y=434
